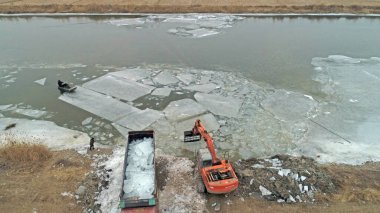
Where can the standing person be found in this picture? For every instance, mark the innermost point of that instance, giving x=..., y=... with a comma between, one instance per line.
x=92, y=141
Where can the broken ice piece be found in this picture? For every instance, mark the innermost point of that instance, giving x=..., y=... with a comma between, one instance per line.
x=305, y=188
x=300, y=187
x=86, y=121
x=291, y=199
x=272, y=178
x=41, y=81
x=264, y=191
x=303, y=178
x=259, y=166
x=251, y=181
x=280, y=201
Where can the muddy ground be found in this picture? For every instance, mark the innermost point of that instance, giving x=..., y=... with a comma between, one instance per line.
x=41, y=187
x=186, y=6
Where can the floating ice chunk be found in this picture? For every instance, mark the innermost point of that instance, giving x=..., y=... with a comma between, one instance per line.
x=205, y=79
x=139, y=120
x=199, y=33
x=353, y=100
x=118, y=87
x=162, y=92
x=181, y=19
x=86, y=121
x=41, y=81
x=186, y=78
x=1, y=115
x=5, y=107
x=343, y=59
x=183, y=109
x=128, y=22
x=205, y=88
x=219, y=105
x=165, y=78
x=264, y=191
x=31, y=112
x=213, y=24
x=133, y=74
x=44, y=132
x=303, y=178
x=98, y=104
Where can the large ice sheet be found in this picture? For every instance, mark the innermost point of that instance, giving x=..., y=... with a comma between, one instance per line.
x=219, y=105
x=205, y=88
x=141, y=119
x=351, y=110
x=118, y=87
x=165, y=78
x=98, y=104
x=289, y=106
x=133, y=74
x=183, y=109
x=44, y=132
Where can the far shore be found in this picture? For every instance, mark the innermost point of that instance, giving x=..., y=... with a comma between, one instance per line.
x=191, y=6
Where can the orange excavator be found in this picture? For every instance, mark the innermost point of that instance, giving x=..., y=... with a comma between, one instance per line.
x=215, y=176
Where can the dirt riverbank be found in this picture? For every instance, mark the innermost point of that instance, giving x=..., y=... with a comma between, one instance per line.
x=54, y=185
x=190, y=6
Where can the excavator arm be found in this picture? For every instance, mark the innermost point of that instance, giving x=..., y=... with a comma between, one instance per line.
x=200, y=130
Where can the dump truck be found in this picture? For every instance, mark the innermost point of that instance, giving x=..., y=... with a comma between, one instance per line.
x=139, y=188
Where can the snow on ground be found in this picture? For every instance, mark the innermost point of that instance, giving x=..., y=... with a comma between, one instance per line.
x=108, y=198
x=179, y=194
x=44, y=132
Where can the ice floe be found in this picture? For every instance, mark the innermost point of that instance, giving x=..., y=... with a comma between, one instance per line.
x=141, y=119
x=165, y=78
x=183, y=109
x=133, y=74
x=44, y=132
x=118, y=87
x=219, y=105
x=348, y=133
x=41, y=81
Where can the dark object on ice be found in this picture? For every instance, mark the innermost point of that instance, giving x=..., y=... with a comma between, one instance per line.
x=65, y=87
x=92, y=141
x=10, y=126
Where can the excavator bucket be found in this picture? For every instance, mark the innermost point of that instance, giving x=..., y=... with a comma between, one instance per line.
x=189, y=136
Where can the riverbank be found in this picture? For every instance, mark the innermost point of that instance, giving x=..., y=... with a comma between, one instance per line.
x=190, y=6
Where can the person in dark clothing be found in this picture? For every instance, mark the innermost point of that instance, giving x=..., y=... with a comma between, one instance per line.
x=92, y=141
x=63, y=84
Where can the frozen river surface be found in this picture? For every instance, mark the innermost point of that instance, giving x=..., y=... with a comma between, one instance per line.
x=262, y=86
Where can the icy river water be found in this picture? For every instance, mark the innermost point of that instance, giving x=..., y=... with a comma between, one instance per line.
x=263, y=85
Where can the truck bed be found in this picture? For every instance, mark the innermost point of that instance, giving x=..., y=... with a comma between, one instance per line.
x=135, y=203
